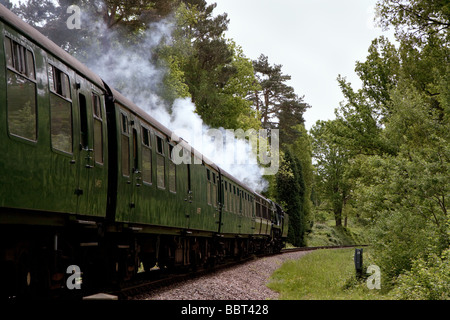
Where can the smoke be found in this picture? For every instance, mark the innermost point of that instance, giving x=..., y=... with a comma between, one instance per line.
x=129, y=69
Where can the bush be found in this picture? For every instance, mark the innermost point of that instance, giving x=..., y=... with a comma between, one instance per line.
x=429, y=279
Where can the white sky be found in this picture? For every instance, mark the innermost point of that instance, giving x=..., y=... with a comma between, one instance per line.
x=314, y=40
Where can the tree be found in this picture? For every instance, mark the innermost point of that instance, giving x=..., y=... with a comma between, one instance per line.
x=208, y=66
x=331, y=162
x=290, y=192
x=364, y=113
x=277, y=102
x=417, y=18
x=214, y=70
x=301, y=149
x=126, y=20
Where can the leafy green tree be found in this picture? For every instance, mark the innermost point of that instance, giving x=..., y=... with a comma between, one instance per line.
x=331, y=162
x=363, y=114
x=301, y=149
x=125, y=20
x=215, y=71
x=415, y=18
x=290, y=192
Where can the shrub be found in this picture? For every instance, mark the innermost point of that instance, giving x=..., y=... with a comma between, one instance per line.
x=429, y=279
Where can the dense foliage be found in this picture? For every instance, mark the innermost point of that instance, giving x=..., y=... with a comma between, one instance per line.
x=390, y=147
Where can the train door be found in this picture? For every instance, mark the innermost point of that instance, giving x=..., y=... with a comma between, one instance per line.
x=63, y=171
x=130, y=178
x=92, y=172
x=222, y=200
x=239, y=208
x=86, y=148
x=136, y=170
x=189, y=197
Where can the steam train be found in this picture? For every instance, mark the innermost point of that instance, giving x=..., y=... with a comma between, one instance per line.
x=88, y=179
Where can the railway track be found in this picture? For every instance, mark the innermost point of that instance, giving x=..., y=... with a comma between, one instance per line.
x=157, y=279
x=322, y=247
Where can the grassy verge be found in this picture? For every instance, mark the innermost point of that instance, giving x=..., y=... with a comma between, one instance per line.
x=322, y=275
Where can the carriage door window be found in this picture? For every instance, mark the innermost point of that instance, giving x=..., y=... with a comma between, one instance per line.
x=172, y=171
x=84, y=141
x=214, y=190
x=160, y=163
x=146, y=156
x=21, y=90
x=60, y=110
x=135, y=152
x=98, y=128
x=125, y=145
x=208, y=186
x=225, y=196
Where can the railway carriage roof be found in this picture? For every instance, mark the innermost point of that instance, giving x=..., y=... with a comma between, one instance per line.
x=35, y=36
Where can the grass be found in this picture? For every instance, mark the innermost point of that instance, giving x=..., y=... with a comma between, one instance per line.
x=327, y=234
x=322, y=275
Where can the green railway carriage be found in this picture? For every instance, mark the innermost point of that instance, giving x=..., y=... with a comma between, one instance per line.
x=53, y=137
x=152, y=190
x=238, y=215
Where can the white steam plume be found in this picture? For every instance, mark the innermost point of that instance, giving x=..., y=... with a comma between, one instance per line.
x=130, y=71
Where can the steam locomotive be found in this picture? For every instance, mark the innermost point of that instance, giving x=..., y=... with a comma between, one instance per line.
x=88, y=180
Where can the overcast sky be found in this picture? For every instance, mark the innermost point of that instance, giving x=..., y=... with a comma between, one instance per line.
x=314, y=40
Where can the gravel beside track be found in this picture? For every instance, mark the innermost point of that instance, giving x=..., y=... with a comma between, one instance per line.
x=246, y=281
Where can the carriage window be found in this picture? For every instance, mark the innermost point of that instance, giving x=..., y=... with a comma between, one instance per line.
x=19, y=58
x=146, y=156
x=98, y=128
x=145, y=137
x=160, y=163
x=172, y=172
x=135, y=151
x=124, y=119
x=60, y=110
x=125, y=146
x=59, y=82
x=214, y=190
x=160, y=145
x=258, y=209
x=208, y=186
x=225, y=196
x=21, y=91
x=214, y=195
x=84, y=141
